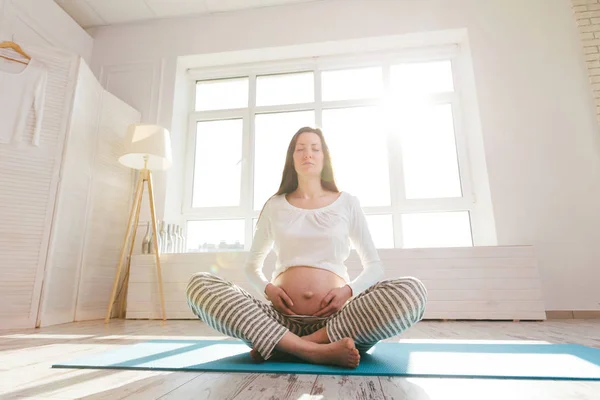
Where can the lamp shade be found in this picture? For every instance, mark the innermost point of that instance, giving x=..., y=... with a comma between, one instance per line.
x=147, y=146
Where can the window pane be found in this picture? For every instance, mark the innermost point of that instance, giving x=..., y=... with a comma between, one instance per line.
x=421, y=78
x=273, y=133
x=215, y=235
x=363, y=83
x=222, y=94
x=217, y=169
x=429, y=153
x=358, y=144
x=272, y=90
x=437, y=229
x=382, y=230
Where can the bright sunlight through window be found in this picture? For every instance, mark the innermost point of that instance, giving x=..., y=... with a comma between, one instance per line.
x=394, y=129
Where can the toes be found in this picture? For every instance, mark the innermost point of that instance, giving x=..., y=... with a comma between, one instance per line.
x=354, y=360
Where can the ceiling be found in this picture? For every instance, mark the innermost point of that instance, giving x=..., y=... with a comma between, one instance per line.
x=92, y=13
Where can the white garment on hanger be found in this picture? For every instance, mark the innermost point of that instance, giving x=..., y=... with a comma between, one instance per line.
x=20, y=88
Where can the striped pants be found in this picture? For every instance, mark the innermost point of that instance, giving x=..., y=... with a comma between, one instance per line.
x=384, y=310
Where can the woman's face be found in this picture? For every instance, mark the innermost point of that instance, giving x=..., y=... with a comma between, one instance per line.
x=308, y=155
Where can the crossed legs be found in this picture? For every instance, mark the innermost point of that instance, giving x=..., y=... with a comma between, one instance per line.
x=384, y=310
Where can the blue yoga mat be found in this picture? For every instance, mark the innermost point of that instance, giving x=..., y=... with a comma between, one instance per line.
x=424, y=359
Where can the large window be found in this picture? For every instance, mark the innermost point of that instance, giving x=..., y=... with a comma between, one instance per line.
x=394, y=127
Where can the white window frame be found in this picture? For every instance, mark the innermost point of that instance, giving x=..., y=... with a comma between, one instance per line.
x=399, y=204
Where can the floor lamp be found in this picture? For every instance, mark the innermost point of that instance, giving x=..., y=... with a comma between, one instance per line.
x=147, y=148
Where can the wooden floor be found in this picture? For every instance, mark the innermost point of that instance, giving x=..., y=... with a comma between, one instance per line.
x=26, y=357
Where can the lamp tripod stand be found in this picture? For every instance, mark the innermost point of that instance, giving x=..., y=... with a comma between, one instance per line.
x=145, y=176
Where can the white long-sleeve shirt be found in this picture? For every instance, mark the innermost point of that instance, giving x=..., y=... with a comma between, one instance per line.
x=21, y=87
x=320, y=238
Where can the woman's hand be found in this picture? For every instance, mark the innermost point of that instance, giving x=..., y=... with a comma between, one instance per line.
x=281, y=301
x=334, y=301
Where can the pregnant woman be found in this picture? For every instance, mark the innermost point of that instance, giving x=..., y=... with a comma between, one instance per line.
x=315, y=311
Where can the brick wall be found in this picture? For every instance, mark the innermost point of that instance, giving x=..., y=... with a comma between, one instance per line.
x=587, y=14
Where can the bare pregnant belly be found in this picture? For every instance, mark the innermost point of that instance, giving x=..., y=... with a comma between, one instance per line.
x=307, y=287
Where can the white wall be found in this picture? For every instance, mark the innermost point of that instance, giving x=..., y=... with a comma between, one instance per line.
x=43, y=23
x=535, y=102
x=587, y=14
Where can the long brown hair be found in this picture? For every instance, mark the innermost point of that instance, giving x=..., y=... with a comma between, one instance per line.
x=289, y=177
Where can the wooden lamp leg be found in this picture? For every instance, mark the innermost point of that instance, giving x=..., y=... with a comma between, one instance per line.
x=134, y=216
x=134, y=208
x=156, y=253
x=131, y=247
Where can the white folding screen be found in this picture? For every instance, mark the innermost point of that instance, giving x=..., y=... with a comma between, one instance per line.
x=28, y=182
x=64, y=204
x=111, y=195
x=66, y=241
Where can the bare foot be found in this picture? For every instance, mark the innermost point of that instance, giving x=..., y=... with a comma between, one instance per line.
x=276, y=354
x=256, y=356
x=319, y=336
x=342, y=353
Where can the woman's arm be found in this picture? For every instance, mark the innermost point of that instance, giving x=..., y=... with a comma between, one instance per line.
x=365, y=248
x=261, y=246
